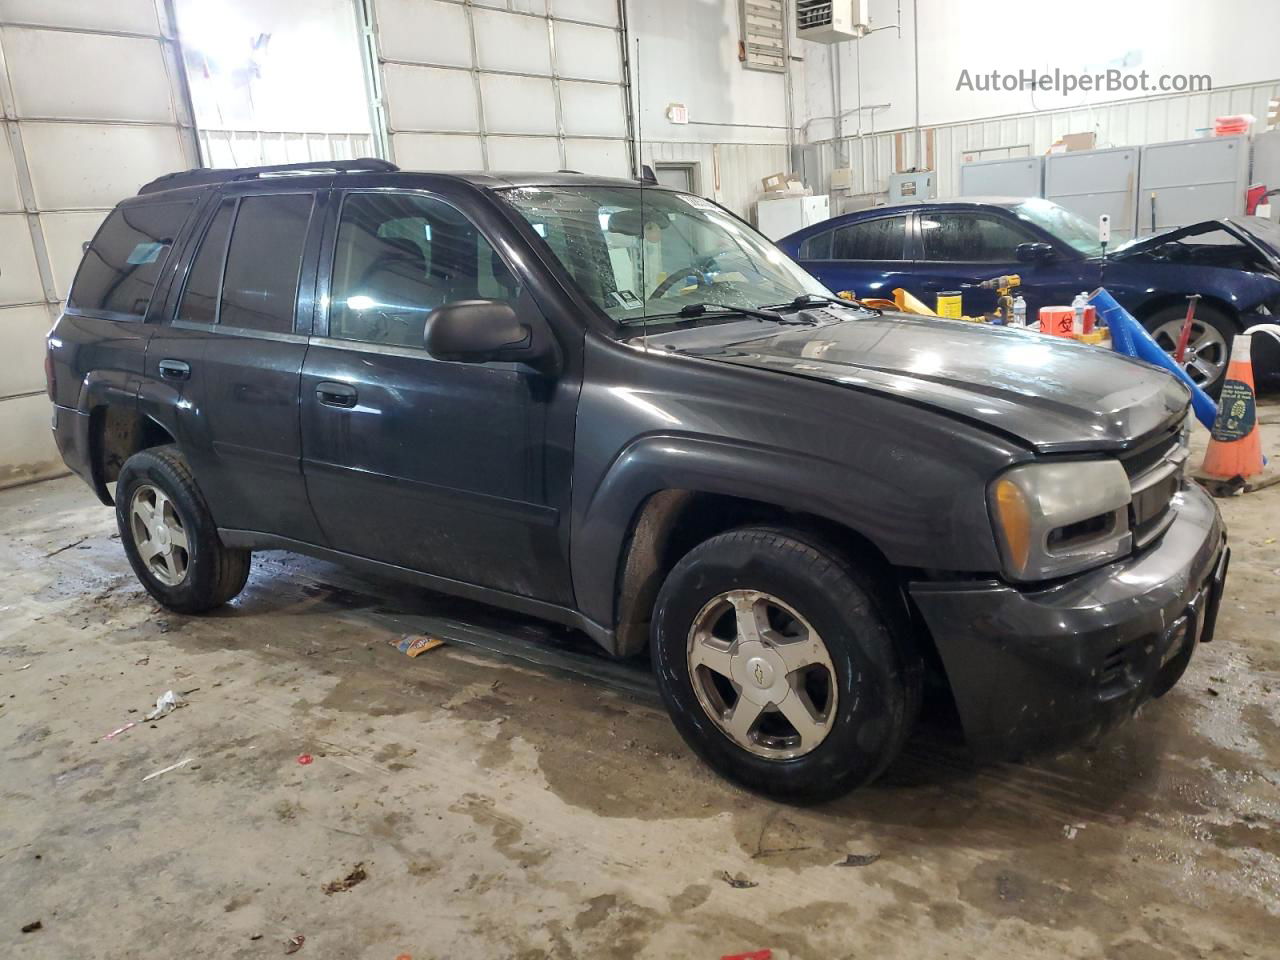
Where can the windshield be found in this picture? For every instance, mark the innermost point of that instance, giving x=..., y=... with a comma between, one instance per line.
x=644, y=264
x=1068, y=227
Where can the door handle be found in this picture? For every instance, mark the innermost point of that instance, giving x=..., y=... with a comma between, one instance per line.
x=175, y=370
x=336, y=394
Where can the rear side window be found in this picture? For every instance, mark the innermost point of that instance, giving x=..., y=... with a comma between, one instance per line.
x=882, y=239
x=200, y=299
x=120, y=269
x=817, y=247
x=260, y=282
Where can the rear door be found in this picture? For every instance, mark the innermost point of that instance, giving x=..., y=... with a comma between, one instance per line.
x=452, y=469
x=236, y=345
x=868, y=257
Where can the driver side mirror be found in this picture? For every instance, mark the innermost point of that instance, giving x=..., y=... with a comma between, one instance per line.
x=1034, y=252
x=479, y=331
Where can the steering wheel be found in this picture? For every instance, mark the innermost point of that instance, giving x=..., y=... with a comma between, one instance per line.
x=692, y=270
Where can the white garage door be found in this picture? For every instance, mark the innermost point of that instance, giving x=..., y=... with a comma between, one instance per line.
x=92, y=109
x=502, y=84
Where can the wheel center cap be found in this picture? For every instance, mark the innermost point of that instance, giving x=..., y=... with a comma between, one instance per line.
x=760, y=672
x=162, y=535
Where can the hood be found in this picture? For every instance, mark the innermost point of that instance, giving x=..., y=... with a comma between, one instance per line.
x=1256, y=232
x=1053, y=395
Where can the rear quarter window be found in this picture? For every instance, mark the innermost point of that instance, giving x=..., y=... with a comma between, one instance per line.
x=119, y=271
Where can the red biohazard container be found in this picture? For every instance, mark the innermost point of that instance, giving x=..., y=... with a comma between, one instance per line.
x=1057, y=321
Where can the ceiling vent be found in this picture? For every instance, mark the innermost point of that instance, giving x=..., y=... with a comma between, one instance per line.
x=832, y=21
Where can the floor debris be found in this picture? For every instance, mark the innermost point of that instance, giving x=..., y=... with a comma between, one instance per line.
x=172, y=766
x=356, y=876
x=166, y=704
x=415, y=644
x=858, y=860
x=737, y=881
x=765, y=954
x=1069, y=830
x=119, y=730
x=294, y=944
x=305, y=759
x=33, y=926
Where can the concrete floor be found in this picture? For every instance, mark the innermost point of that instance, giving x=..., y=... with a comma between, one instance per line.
x=501, y=810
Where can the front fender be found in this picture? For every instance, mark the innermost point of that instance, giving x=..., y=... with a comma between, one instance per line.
x=912, y=524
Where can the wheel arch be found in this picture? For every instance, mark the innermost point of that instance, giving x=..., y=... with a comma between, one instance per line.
x=1163, y=301
x=117, y=432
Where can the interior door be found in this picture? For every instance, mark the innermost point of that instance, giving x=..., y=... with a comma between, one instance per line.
x=440, y=467
x=238, y=310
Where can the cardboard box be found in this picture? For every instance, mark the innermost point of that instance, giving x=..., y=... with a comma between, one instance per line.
x=782, y=182
x=1074, y=141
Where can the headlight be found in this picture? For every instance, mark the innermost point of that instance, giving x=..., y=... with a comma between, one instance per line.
x=1052, y=519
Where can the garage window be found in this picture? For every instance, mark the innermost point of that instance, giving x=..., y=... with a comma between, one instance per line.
x=119, y=271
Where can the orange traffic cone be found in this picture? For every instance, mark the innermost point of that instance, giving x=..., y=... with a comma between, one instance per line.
x=1235, y=447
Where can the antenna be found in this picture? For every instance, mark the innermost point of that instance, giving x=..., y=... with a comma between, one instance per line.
x=644, y=291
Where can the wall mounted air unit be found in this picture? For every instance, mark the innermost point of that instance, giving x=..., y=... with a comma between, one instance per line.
x=832, y=21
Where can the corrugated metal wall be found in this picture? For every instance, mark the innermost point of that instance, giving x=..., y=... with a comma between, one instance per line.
x=1128, y=123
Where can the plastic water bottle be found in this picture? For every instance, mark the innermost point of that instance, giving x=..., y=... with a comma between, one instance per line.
x=1019, y=312
x=1077, y=309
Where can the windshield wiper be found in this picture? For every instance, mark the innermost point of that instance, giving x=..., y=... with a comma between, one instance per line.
x=815, y=299
x=692, y=310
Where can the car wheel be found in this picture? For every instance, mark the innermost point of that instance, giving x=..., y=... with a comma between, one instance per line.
x=170, y=537
x=1209, y=347
x=781, y=664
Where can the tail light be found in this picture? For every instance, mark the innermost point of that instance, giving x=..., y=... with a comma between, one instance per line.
x=50, y=380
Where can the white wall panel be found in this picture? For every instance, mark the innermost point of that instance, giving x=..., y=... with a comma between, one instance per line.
x=518, y=104
x=429, y=151
x=607, y=158
x=524, y=153
x=126, y=16
x=22, y=331
x=19, y=274
x=538, y=7
x=424, y=31
x=587, y=53
x=508, y=41
x=79, y=165
x=65, y=234
x=592, y=11
x=421, y=98
x=10, y=196
x=592, y=109
x=28, y=452
x=86, y=76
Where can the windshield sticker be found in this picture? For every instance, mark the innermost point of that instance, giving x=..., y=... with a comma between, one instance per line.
x=146, y=253
x=627, y=299
x=698, y=203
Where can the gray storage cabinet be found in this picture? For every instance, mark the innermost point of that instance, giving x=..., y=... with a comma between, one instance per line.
x=1013, y=177
x=1094, y=182
x=1192, y=180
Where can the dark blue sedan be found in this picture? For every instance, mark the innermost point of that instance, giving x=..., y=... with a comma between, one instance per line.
x=927, y=248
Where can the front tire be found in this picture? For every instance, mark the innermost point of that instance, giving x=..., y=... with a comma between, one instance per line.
x=169, y=535
x=782, y=664
x=1209, y=347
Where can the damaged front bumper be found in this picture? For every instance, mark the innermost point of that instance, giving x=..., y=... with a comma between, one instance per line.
x=1033, y=670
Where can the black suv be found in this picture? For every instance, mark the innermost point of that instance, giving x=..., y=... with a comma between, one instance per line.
x=618, y=407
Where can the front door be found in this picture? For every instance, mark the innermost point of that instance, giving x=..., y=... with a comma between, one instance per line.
x=440, y=467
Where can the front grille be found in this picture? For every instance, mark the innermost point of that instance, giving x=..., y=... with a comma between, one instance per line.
x=1155, y=471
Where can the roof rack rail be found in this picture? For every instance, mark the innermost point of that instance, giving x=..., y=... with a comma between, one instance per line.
x=203, y=176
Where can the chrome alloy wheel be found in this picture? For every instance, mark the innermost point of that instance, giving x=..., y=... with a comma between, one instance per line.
x=1207, y=351
x=762, y=674
x=158, y=535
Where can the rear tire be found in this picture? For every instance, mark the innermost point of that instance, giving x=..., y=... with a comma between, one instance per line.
x=1212, y=331
x=860, y=694
x=169, y=535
